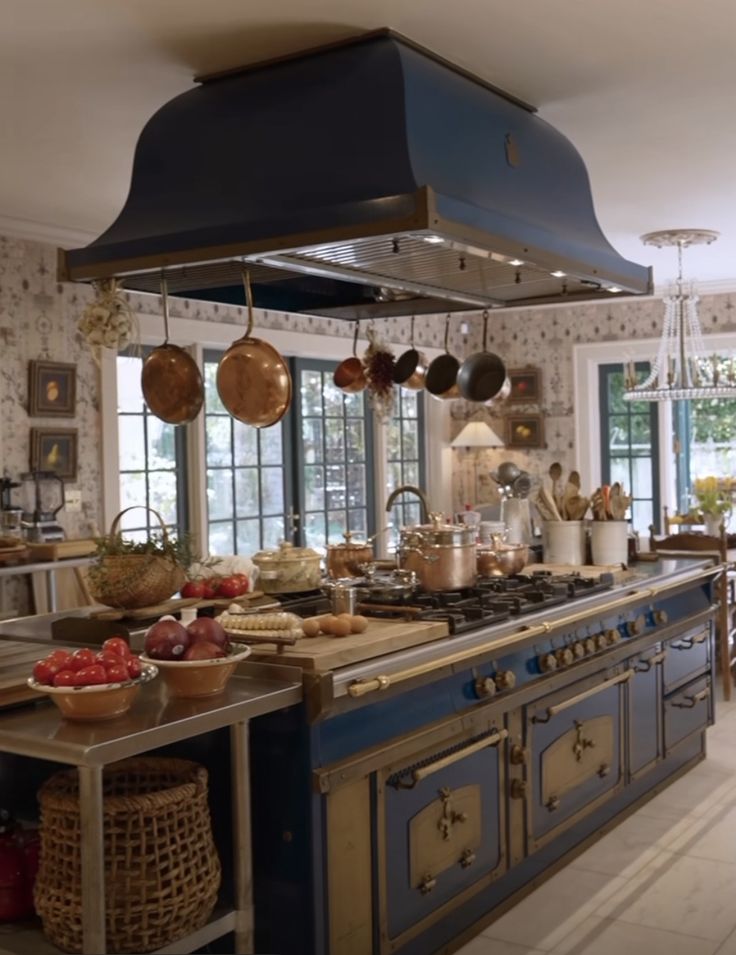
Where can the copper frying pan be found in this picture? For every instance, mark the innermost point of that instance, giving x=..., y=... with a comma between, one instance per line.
x=253, y=379
x=171, y=381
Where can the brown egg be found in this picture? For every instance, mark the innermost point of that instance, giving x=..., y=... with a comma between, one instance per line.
x=327, y=622
x=311, y=627
x=340, y=627
x=358, y=624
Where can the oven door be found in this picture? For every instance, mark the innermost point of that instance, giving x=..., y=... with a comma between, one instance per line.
x=575, y=744
x=441, y=829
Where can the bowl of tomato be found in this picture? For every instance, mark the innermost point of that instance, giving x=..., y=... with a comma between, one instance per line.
x=92, y=685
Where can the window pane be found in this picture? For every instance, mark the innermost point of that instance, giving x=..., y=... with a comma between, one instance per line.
x=218, y=441
x=642, y=515
x=411, y=472
x=335, y=440
x=620, y=471
x=272, y=490
x=249, y=536
x=163, y=496
x=131, y=442
x=314, y=490
x=311, y=393
x=618, y=434
x=354, y=404
x=410, y=440
x=356, y=486
x=130, y=396
x=312, y=435
x=355, y=433
x=273, y=531
x=245, y=442
x=212, y=401
x=393, y=439
x=220, y=493
x=335, y=478
x=314, y=531
x=409, y=404
x=221, y=538
x=271, y=449
x=132, y=492
x=641, y=431
x=336, y=526
x=642, y=483
x=246, y=492
x=358, y=522
x=393, y=474
x=332, y=396
x=161, y=444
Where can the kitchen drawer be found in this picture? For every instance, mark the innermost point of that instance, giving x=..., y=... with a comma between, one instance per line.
x=687, y=711
x=441, y=828
x=644, y=732
x=688, y=655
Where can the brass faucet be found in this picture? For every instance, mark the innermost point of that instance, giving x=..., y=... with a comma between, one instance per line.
x=412, y=489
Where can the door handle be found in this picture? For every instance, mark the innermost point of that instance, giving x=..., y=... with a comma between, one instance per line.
x=421, y=772
x=689, y=642
x=579, y=697
x=644, y=666
x=690, y=701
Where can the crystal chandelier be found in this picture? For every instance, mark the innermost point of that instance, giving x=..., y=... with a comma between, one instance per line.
x=682, y=369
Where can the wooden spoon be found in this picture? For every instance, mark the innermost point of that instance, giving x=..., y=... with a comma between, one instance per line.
x=574, y=479
x=555, y=473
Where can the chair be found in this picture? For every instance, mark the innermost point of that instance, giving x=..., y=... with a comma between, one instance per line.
x=687, y=543
x=672, y=525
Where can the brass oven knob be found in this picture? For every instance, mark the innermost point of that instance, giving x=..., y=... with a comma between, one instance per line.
x=660, y=616
x=612, y=636
x=517, y=755
x=634, y=627
x=517, y=790
x=578, y=649
x=547, y=662
x=590, y=645
x=600, y=641
x=505, y=679
x=484, y=687
x=564, y=656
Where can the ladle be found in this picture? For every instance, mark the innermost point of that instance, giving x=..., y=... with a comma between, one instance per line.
x=171, y=381
x=410, y=370
x=482, y=374
x=253, y=380
x=349, y=375
x=441, y=378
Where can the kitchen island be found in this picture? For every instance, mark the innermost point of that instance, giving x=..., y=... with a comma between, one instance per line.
x=415, y=795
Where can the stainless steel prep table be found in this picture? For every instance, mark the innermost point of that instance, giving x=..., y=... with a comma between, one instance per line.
x=154, y=721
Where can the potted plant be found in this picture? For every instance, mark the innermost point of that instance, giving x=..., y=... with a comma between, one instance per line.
x=714, y=502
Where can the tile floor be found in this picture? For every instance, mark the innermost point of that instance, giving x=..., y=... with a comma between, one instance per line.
x=662, y=883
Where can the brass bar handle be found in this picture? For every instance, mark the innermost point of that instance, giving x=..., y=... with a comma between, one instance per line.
x=423, y=771
x=693, y=700
x=689, y=642
x=644, y=666
x=586, y=694
x=427, y=884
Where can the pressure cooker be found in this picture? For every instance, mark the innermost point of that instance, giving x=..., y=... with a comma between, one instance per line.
x=441, y=555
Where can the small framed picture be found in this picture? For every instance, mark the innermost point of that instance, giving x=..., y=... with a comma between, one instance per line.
x=52, y=389
x=526, y=384
x=55, y=449
x=525, y=431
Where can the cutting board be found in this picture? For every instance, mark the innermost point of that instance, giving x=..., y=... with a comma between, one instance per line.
x=16, y=663
x=58, y=550
x=582, y=570
x=174, y=605
x=381, y=637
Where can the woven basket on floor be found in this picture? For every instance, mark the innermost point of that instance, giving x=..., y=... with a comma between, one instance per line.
x=162, y=873
x=130, y=581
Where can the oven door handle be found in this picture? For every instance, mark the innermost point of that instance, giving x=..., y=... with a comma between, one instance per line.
x=579, y=697
x=421, y=772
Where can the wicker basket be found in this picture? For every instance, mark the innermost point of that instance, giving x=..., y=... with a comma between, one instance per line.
x=162, y=873
x=130, y=581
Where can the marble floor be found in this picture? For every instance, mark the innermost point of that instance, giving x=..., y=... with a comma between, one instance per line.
x=662, y=883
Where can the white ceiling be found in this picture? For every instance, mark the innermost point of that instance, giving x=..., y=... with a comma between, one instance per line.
x=645, y=89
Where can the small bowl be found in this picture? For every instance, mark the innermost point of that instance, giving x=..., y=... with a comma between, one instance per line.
x=104, y=701
x=194, y=678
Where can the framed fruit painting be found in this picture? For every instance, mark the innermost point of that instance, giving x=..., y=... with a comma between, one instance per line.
x=526, y=384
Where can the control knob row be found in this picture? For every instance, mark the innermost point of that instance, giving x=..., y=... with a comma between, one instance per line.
x=486, y=686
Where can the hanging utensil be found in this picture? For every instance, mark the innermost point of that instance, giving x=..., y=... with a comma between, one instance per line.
x=482, y=374
x=410, y=369
x=441, y=378
x=350, y=373
x=253, y=380
x=171, y=381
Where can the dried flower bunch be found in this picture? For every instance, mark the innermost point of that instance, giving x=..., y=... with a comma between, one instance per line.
x=713, y=495
x=378, y=361
x=108, y=321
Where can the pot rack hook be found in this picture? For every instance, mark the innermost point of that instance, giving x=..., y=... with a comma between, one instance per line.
x=485, y=329
x=165, y=306
x=411, y=337
x=245, y=274
x=355, y=338
x=447, y=333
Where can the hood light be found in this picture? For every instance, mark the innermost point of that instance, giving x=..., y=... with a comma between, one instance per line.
x=613, y=289
x=558, y=274
x=433, y=239
x=516, y=262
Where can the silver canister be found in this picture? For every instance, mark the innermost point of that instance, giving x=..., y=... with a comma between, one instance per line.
x=343, y=596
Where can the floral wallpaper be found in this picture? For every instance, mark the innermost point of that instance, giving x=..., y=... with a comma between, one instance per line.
x=38, y=320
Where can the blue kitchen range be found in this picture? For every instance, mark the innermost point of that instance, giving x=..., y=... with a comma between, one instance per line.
x=416, y=795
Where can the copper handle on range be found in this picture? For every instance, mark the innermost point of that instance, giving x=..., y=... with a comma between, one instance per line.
x=427, y=884
x=689, y=642
x=417, y=775
x=690, y=701
x=579, y=697
x=644, y=666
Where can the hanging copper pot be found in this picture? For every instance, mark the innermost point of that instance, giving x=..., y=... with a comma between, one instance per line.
x=410, y=370
x=253, y=380
x=350, y=373
x=171, y=381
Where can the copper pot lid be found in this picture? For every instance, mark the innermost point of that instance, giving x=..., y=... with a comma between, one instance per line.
x=171, y=381
x=253, y=380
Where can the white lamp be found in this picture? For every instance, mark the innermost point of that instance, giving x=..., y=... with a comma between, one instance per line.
x=476, y=435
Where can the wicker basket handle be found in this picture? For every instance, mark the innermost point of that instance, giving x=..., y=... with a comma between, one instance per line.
x=116, y=520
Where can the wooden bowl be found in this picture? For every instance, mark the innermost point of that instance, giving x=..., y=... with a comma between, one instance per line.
x=104, y=701
x=194, y=678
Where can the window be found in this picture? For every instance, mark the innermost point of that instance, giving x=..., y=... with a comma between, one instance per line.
x=705, y=442
x=630, y=445
x=151, y=455
x=405, y=457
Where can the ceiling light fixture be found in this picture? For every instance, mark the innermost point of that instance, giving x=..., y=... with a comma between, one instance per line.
x=682, y=369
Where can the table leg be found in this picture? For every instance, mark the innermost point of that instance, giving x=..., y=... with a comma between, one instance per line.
x=92, y=847
x=240, y=782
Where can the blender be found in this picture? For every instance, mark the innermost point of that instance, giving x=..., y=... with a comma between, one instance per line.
x=10, y=514
x=43, y=498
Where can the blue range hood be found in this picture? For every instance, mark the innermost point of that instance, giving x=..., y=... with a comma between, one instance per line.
x=363, y=179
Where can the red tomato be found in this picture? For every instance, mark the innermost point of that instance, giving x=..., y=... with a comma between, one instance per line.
x=117, y=672
x=81, y=659
x=44, y=672
x=59, y=657
x=193, y=588
x=230, y=587
x=91, y=675
x=211, y=587
x=108, y=658
x=65, y=678
x=244, y=582
x=135, y=667
x=118, y=645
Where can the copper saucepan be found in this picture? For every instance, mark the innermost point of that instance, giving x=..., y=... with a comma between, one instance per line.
x=410, y=370
x=349, y=375
x=253, y=380
x=171, y=381
x=441, y=378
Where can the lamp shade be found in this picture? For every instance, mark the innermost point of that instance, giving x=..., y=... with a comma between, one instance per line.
x=477, y=434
